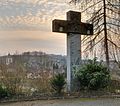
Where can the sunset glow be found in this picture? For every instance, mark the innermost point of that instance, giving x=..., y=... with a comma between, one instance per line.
x=25, y=25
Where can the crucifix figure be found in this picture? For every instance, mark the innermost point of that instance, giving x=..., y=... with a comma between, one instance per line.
x=74, y=28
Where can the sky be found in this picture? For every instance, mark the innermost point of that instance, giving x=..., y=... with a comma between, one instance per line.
x=25, y=25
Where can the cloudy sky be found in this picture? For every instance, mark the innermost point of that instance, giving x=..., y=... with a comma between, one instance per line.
x=25, y=25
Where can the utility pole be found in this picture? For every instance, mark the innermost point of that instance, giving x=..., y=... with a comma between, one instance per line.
x=105, y=34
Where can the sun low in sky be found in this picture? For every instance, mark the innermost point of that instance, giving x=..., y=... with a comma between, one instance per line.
x=25, y=25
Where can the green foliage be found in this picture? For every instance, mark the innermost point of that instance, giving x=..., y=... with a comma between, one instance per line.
x=3, y=92
x=58, y=82
x=93, y=75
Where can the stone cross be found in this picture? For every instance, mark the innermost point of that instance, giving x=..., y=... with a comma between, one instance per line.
x=74, y=28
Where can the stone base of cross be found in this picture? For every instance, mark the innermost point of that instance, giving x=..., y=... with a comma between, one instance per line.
x=74, y=28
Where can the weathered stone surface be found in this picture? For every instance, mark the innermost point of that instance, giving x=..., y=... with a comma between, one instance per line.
x=74, y=28
x=63, y=26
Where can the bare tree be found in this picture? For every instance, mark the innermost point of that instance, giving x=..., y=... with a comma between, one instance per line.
x=105, y=17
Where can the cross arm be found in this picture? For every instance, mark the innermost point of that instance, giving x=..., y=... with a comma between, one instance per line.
x=63, y=26
x=59, y=26
x=86, y=28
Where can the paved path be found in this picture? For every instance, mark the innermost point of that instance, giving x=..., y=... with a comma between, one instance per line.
x=69, y=102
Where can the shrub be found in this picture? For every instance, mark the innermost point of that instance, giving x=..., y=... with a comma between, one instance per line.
x=3, y=92
x=92, y=76
x=57, y=83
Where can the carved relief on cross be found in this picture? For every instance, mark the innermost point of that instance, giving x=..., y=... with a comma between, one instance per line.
x=74, y=28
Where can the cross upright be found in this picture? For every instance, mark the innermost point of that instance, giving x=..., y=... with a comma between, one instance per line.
x=74, y=28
